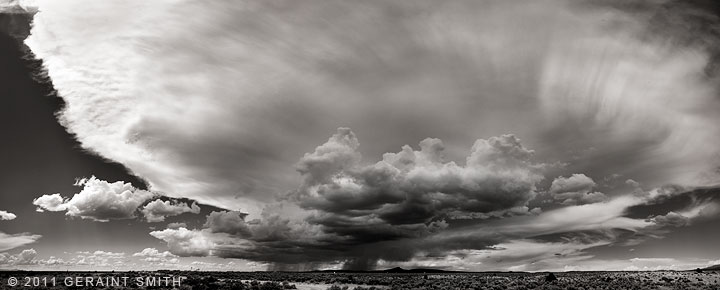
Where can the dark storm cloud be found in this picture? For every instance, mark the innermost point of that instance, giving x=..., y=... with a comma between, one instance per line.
x=359, y=214
x=581, y=227
x=231, y=222
x=414, y=187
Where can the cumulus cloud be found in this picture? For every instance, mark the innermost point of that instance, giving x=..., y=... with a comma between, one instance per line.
x=102, y=201
x=80, y=260
x=413, y=191
x=155, y=256
x=519, y=241
x=98, y=200
x=671, y=219
x=361, y=214
x=186, y=243
x=176, y=225
x=402, y=208
x=8, y=241
x=98, y=258
x=273, y=238
x=50, y=202
x=231, y=222
x=576, y=189
x=157, y=210
x=6, y=216
x=26, y=257
x=52, y=261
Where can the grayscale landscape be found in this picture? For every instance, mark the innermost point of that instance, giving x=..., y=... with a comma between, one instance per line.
x=351, y=144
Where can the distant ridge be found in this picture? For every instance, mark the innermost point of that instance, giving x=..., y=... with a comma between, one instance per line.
x=713, y=268
x=409, y=271
x=420, y=270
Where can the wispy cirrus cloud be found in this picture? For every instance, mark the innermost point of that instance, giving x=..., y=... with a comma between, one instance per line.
x=11, y=241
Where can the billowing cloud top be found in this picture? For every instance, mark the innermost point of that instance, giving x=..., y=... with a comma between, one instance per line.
x=157, y=210
x=98, y=200
x=575, y=189
x=6, y=216
x=18, y=6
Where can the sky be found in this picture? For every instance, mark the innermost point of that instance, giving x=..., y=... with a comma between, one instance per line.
x=488, y=135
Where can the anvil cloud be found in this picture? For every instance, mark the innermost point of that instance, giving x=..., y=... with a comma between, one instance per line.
x=539, y=124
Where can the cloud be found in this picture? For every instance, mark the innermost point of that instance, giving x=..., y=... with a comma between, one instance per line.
x=176, y=225
x=99, y=200
x=575, y=183
x=403, y=208
x=342, y=209
x=6, y=216
x=17, y=6
x=8, y=241
x=186, y=243
x=576, y=189
x=671, y=219
x=513, y=255
x=157, y=210
x=557, y=237
x=99, y=258
x=412, y=190
x=600, y=219
x=52, y=261
x=227, y=234
x=102, y=201
x=26, y=257
x=80, y=260
x=584, y=85
x=564, y=76
x=231, y=222
x=50, y=202
x=617, y=87
x=155, y=256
